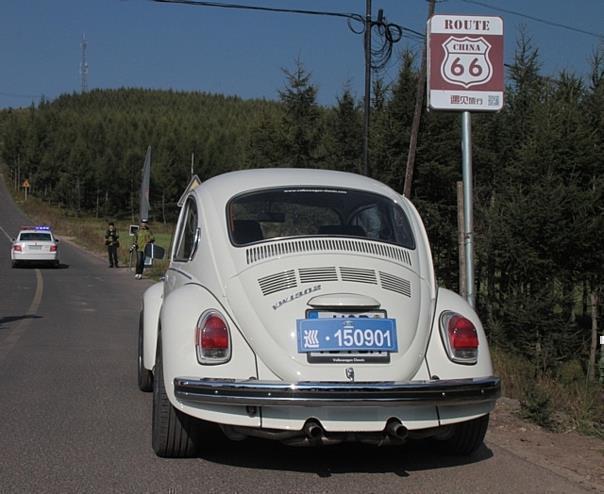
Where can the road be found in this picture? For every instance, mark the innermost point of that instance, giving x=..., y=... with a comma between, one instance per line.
x=72, y=418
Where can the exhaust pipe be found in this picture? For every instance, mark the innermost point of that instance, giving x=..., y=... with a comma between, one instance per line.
x=313, y=431
x=396, y=430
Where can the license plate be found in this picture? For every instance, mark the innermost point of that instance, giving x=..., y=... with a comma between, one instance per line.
x=353, y=334
x=35, y=247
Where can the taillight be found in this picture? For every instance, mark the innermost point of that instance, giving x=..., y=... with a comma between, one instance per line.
x=53, y=248
x=17, y=248
x=459, y=337
x=212, y=338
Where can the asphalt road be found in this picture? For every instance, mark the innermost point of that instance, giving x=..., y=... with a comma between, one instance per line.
x=72, y=418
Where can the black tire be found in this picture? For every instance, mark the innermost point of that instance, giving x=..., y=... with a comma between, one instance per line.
x=14, y=264
x=145, y=377
x=174, y=434
x=467, y=437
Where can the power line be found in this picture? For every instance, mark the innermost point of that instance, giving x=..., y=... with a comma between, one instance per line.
x=600, y=36
x=200, y=3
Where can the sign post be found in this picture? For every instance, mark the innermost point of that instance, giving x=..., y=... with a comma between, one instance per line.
x=465, y=73
x=26, y=187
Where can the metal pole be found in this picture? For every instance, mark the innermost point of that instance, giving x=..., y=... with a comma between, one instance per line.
x=367, y=102
x=466, y=148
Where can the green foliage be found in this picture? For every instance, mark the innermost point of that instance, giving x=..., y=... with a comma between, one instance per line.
x=85, y=151
x=537, y=406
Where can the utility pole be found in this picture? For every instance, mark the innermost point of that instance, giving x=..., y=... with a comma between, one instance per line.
x=390, y=32
x=417, y=115
x=367, y=102
x=83, y=66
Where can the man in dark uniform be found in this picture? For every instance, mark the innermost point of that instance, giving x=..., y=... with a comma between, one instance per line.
x=112, y=243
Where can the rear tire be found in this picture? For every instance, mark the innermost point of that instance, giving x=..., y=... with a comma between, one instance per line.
x=174, y=433
x=466, y=437
x=145, y=377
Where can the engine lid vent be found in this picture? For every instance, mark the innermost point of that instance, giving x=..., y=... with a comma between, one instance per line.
x=395, y=284
x=313, y=275
x=278, y=281
x=270, y=250
x=358, y=275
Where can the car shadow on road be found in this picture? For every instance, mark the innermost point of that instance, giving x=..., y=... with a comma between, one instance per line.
x=41, y=265
x=332, y=460
x=8, y=319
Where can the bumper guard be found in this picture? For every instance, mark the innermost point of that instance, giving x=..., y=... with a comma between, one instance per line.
x=276, y=393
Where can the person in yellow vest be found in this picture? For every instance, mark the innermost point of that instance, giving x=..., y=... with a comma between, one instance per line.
x=143, y=237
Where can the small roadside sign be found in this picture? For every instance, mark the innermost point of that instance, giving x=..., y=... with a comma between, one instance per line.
x=25, y=184
x=465, y=63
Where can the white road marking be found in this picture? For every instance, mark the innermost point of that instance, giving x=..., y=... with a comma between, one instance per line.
x=10, y=239
x=7, y=344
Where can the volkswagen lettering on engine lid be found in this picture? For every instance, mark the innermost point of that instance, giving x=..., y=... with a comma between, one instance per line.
x=359, y=334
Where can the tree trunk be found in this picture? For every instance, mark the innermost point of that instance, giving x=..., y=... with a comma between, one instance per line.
x=591, y=368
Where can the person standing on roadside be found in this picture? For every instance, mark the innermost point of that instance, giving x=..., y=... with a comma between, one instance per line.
x=112, y=243
x=143, y=238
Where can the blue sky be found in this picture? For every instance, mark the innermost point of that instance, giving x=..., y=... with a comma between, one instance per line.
x=138, y=43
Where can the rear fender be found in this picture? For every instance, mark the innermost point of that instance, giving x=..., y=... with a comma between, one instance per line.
x=438, y=361
x=152, y=301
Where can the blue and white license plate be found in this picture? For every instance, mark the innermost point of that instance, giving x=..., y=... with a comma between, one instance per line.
x=354, y=334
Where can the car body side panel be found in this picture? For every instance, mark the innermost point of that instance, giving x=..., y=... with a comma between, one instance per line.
x=152, y=300
x=441, y=366
x=180, y=311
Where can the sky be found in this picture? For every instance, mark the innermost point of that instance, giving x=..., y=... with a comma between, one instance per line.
x=141, y=43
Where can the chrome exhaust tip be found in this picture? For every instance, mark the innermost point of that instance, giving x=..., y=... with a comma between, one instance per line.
x=396, y=430
x=313, y=431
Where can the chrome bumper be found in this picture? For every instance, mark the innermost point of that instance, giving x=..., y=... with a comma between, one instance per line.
x=276, y=393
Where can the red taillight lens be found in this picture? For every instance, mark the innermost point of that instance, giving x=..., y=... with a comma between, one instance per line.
x=53, y=248
x=17, y=248
x=213, y=340
x=460, y=338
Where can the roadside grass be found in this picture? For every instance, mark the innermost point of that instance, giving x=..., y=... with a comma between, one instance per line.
x=560, y=401
x=89, y=232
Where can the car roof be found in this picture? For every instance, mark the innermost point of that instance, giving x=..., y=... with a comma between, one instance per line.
x=224, y=187
x=31, y=230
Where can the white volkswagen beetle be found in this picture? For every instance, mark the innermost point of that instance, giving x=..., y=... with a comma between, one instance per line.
x=301, y=305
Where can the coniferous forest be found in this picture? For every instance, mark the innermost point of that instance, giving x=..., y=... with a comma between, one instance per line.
x=539, y=205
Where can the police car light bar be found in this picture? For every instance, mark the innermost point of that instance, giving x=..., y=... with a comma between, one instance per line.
x=37, y=227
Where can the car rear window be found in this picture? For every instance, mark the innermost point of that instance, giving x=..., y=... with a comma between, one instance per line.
x=311, y=211
x=35, y=236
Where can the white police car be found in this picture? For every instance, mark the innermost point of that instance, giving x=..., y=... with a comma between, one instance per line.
x=302, y=305
x=35, y=244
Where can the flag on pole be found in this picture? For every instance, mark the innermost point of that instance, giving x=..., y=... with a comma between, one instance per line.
x=144, y=195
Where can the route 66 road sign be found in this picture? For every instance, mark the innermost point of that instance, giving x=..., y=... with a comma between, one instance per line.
x=465, y=63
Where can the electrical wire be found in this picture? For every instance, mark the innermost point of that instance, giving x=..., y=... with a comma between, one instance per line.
x=387, y=33
x=200, y=3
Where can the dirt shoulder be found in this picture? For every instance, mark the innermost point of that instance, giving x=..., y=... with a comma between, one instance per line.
x=571, y=455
